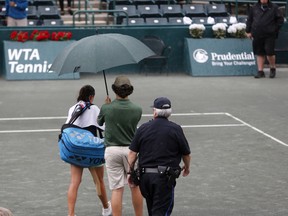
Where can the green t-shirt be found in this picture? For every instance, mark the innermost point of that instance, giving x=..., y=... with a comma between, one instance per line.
x=121, y=117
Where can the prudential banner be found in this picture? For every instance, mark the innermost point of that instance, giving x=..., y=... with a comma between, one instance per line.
x=219, y=57
x=32, y=60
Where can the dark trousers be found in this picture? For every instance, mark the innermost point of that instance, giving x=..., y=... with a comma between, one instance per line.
x=158, y=194
x=61, y=2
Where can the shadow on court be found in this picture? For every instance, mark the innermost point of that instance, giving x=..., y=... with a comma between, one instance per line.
x=236, y=128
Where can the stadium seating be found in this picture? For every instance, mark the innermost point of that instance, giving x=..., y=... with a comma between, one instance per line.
x=48, y=12
x=200, y=20
x=175, y=21
x=44, y=2
x=242, y=19
x=198, y=12
x=37, y=12
x=33, y=22
x=143, y=2
x=160, y=2
x=194, y=10
x=156, y=21
x=134, y=21
x=32, y=12
x=52, y=22
x=149, y=11
x=171, y=10
x=216, y=10
x=2, y=13
x=223, y=20
x=129, y=9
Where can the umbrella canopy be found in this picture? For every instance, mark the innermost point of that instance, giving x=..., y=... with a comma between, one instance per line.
x=100, y=52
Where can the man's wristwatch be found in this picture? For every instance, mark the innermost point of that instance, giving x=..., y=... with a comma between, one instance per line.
x=15, y=5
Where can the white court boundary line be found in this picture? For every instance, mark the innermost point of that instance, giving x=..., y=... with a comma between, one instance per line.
x=242, y=123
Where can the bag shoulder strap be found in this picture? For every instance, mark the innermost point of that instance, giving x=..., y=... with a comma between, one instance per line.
x=79, y=110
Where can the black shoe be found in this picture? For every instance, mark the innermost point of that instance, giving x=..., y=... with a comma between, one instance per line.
x=272, y=72
x=70, y=12
x=260, y=74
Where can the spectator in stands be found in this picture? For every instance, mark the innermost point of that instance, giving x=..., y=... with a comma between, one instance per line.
x=263, y=24
x=16, y=14
x=121, y=117
x=61, y=2
x=5, y=212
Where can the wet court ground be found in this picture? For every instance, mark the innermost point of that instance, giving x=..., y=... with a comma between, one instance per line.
x=236, y=127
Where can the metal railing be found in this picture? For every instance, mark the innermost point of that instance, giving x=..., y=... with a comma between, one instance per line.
x=93, y=12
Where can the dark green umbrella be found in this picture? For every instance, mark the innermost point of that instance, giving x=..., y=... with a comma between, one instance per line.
x=100, y=52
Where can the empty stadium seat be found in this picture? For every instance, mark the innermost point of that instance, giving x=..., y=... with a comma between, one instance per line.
x=160, y=2
x=149, y=11
x=200, y=20
x=242, y=19
x=43, y=2
x=223, y=20
x=2, y=13
x=194, y=10
x=112, y=4
x=175, y=21
x=215, y=10
x=2, y=22
x=48, y=12
x=171, y=10
x=33, y=22
x=32, y=12
x=129, y=9
x=156, y=21
x=52, y=22
x=143, y=2
x=134, y=21
x=123, y=2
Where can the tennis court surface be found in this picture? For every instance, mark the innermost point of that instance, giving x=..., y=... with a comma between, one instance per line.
x=236, y=127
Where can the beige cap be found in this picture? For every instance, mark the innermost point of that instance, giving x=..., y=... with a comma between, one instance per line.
x=122, y=80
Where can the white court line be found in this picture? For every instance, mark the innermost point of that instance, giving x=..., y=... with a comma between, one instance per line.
x=33, y=118
x=58, y=130
x=30, y=131
x=206, y=126
x=64, y=117
x=148, y=115
x=258, y=130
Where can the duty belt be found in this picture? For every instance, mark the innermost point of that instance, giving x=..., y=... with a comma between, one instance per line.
x=149, y=170
x=159, y=169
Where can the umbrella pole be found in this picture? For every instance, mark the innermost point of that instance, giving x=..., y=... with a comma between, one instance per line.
x=105, y=83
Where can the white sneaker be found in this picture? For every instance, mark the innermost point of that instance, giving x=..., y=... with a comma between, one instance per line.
x=108, y=211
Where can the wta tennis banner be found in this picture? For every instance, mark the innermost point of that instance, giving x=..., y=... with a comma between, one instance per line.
x=219, y=57
x=32, y=60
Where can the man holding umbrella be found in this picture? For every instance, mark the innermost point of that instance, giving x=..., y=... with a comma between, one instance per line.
x=121, y=117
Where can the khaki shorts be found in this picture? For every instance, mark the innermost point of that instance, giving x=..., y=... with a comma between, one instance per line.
x=117, y=166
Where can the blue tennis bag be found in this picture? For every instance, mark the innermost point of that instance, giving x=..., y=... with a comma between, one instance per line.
x=80, y=147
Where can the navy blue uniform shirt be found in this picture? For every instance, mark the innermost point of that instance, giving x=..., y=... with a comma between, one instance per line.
x=160, y=142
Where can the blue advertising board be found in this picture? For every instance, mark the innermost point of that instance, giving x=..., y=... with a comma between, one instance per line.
x=32, y=60
x=219, y=57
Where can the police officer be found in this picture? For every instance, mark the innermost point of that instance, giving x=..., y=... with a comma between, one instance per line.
x=160, y=145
